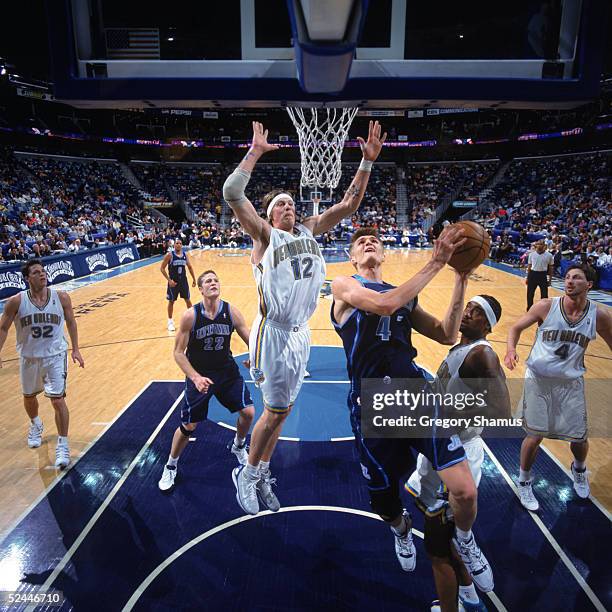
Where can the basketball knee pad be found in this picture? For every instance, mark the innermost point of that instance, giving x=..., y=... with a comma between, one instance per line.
x=386, y=504
x=185, y=431
x=438, y=534
x=235, y=184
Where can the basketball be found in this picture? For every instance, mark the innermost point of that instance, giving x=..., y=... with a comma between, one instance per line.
x=474, y=250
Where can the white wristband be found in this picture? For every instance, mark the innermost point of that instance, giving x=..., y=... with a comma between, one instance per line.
x=366, y=165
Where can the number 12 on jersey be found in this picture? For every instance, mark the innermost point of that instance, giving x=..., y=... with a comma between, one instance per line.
x=306, y=263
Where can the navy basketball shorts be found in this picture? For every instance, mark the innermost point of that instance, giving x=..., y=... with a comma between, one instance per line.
x=180, y=290
x=232, y=393
x=385, y=460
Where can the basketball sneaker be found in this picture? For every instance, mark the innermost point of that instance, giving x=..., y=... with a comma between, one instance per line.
x=171, y=325
x=475, y=562
x=466, y=606
x=527, y=497
x=404, y=547
x=35, y=435
x=581, y=482
x=62, y=456
x=166, y=482
x=246, y=490
x=265, y=493
x=241, y=452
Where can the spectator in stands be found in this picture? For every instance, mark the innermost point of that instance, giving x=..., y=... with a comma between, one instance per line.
x=76, y=246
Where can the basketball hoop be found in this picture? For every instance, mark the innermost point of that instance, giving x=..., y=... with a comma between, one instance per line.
x=321, y=134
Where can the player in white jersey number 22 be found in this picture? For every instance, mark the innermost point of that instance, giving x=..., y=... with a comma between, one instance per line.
x=289, y=271
x=39, y=315
x=554, y=404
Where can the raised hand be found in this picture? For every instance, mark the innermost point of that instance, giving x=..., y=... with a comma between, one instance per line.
x=371, y=149
x=447, y=243
x=260, y=139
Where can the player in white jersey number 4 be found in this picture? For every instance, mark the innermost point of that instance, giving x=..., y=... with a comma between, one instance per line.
x=289, y=271
x=553, y=404
x=39, y=315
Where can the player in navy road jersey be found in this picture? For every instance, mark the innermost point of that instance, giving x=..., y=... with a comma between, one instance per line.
x=173, y=268
x=202, y=351
x=375, y=321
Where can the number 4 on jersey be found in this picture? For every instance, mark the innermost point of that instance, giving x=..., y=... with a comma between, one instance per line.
x=383, y=331
x=562, y=351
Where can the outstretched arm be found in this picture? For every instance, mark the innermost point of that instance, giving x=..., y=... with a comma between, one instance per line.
x=349, y=293
x=536, y=314
x=445, y=331
x=236, y=182
x=322, y=223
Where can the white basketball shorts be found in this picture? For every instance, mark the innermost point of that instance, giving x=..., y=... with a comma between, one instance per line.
x=425, y=483
x=554, y=407
x=279, y=354
x=46, y=374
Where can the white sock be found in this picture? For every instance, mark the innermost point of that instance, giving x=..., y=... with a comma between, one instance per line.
x=524, y=475
x=172, y=461
x=170, y=321
x=264, y=466
x=62, y=440
x=464, y=536
x=252, y=471
x=239, y=442
x=469, y=593
x=401, y=529
x=37, y=421
x=579, y=465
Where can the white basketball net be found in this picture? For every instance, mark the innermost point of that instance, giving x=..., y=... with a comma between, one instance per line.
x=321, y=134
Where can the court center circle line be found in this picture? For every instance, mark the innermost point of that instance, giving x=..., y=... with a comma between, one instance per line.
x=144, y=585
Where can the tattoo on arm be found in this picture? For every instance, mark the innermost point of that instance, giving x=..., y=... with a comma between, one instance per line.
x=353, y=190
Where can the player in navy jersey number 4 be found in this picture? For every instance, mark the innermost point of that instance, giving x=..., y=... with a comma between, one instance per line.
x=202, y=351
x=553, y=403
x=375, y=321
x=173, y=268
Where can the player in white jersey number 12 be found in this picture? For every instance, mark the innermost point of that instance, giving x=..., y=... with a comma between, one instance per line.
x=554, y=404
x=39, y=314
x=289, y=271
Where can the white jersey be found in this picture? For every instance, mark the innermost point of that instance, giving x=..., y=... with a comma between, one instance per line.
x=449, y=381
x=40, y=330
x=560, y=344
x=289, y=276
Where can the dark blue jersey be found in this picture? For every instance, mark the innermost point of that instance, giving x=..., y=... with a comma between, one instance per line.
x=176, y=267
x=377, y=346
x=208, y=349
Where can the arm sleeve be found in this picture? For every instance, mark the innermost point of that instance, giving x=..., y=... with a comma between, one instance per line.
x=234, y=186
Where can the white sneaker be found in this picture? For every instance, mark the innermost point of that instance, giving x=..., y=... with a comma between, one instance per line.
x=35, y=435
x=246, y=490
x=265, y=493
x=581, y=482
x=166, y=482
x=404, y=548
x=306, y=374
x=241, y=453
x=527, y=497
x=171, y=325
x=476, y=563
x=62, y=456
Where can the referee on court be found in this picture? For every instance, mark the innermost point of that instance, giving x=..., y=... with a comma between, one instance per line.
x=539, y=264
